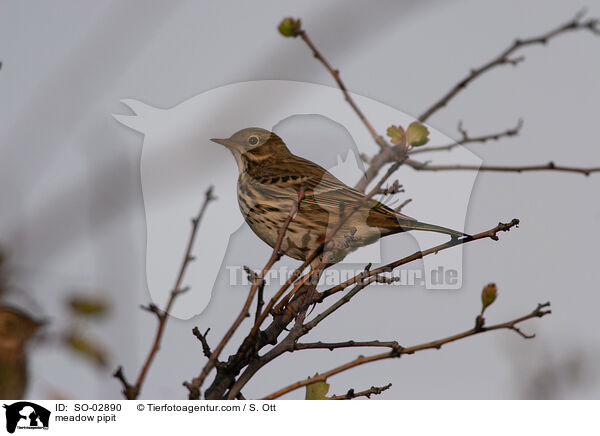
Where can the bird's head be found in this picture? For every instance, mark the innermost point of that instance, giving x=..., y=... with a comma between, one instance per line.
x=254, y=143
x=247, y=139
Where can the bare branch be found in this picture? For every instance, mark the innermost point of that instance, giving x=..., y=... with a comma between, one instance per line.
x=377, y=162
x=202, y=338
x=348, y=344
x=387, y=153
x=301, y=304
x=539, y=312
x=295, y=303
x=466, y=139
x=505, y=58
x=131, y=392
x=550, y=166
x=336, y=75
x=403, y=204
x=394, y=188
x=152, y=308
x=256, y=284
x=385, y=156
x=366, y=393
x=288, y=344
x=361, y=278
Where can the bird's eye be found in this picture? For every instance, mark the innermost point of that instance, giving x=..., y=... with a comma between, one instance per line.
x=253, y=140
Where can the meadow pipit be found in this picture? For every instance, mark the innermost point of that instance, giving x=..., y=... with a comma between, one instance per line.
x=270, y=178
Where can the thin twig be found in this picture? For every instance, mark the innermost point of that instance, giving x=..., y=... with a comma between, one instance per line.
x=387, y=153
x=373, y=390
x=289, y=342
x=336, y=75
x=260, y=301
x=550, y=166
x=280, y=347
x=402, y=205
x=384, y=156
x=247, y=356
x=437, y=344
x=491, y=234
x=505, y=58
x=347, y=344
x=131, y=392
x=394, y=188
x=466, y=139
x=256, y=284
x=202, y=338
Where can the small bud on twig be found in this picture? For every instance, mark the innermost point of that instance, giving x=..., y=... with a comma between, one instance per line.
x=290, y=27
x=488, y=296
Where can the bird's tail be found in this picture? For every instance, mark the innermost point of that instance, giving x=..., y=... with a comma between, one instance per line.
x=396, y=222
x=417, y=225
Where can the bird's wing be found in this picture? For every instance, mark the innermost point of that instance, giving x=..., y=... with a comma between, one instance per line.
x=326, y=190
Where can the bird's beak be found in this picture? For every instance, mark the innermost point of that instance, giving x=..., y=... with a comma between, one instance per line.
x=226, y=142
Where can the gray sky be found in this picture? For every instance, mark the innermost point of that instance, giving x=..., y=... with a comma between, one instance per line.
x=73, y=213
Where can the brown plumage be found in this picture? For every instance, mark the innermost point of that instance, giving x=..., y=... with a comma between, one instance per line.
x=268, y=185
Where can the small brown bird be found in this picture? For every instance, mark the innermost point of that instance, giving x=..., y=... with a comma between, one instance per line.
x=270, y=178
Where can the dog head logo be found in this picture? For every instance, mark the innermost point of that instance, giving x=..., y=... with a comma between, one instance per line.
x=178, y=162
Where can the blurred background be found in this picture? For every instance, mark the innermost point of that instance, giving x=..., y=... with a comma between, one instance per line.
x=72, y=223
